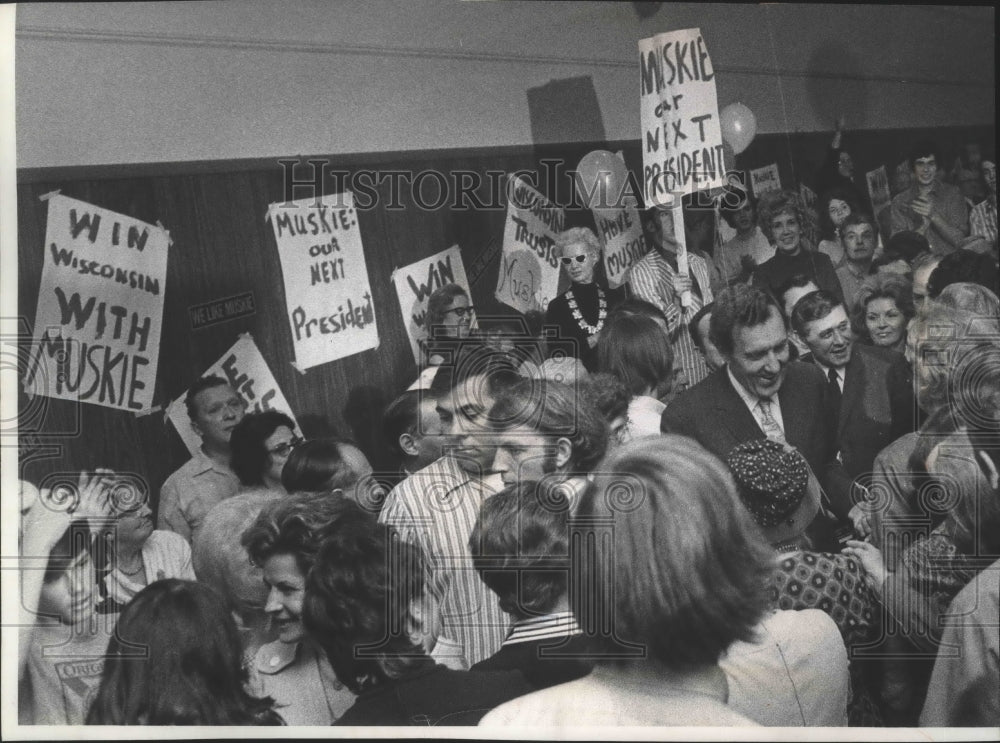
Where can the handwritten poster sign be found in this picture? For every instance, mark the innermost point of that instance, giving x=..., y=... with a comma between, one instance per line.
x=878, y=189
x=682, y=140
x=415, y=283
x=100, y=307
x=327, y=291
x=810, y=229
x=620, y=233
x=765, y=179
x=529, y=270
x=902, y=177
x=246, y=370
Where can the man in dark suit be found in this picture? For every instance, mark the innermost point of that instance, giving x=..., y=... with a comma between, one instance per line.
x=760, y=394
x=870, y=388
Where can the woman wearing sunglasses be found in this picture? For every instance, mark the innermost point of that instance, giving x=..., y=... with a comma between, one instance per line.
x=261, y=444
x=581, y=310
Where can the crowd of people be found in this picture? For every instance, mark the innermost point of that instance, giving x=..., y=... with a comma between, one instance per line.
x=759, y=490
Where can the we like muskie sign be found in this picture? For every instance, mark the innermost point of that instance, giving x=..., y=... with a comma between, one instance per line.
x=100, y=307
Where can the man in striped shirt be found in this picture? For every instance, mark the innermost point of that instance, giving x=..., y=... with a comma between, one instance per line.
x=436, y=508
x=655, y=279
x=983, y=217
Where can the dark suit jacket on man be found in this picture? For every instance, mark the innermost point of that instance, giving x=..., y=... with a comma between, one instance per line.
x=876, y=407
x=713, y=413
x=564, y=659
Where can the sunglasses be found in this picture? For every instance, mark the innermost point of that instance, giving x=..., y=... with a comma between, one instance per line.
x=579, y=259
x=283, y=450
x=460, y=311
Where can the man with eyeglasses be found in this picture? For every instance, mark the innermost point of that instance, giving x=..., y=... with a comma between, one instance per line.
x=929, y=206
x=215, y=408
x=859, y=234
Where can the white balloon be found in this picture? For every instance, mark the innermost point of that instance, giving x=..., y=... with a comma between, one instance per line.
x=739, y=126
x=603, y=175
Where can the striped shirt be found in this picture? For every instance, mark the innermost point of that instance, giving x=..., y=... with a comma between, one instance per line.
x=560, y=624
x=983, y=219
x=652, y=279
x=435, y=509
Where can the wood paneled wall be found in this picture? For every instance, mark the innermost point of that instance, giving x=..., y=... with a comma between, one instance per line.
x=222, y=246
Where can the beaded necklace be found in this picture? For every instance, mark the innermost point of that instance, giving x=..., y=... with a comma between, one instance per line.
x=602, y=312
x=134, y=572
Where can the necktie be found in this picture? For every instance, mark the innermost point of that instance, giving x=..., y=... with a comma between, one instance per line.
x=833, y=390
x=768, y=422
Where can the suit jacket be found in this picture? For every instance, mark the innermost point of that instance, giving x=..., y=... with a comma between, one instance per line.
x=568, y=660
x=772, y=274
x=713, y=414
x=876, y=406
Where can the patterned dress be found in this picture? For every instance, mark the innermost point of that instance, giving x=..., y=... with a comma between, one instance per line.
x=837, y=585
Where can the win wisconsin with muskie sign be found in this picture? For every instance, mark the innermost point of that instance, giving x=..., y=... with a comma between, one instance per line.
x=100, y=307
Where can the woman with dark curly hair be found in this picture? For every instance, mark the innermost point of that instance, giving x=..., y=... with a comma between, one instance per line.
x=365, y=605
x=293, y=670
x=176, y=659
x=883, y=308
x=260, y=445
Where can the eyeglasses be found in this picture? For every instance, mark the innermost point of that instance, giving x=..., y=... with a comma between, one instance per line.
x=579, y=259
x=460, y=311
x=283, y=450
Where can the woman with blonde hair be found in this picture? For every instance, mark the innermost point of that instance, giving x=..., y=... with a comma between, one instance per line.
x=581, y=310
x=782, y=220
